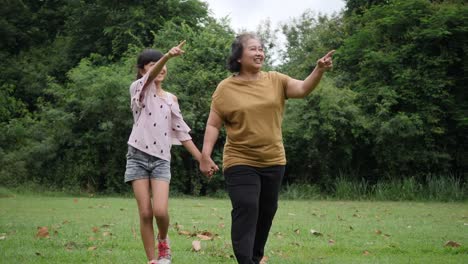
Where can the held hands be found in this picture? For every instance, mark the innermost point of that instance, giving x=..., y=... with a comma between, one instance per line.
x=325, y=63
x=208, y=167
x=177, y=50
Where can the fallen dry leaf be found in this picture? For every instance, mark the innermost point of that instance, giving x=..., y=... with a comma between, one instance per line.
x=264, y=260
x=297, y=231
x=315, y=232
x=42, y=231
x=378, y=232
x=279, y=235
x=178, y=227
x=92, y=248
x=196, y=245
x=453, y=244
x=70, y=245
x=204, y=237
x=106, y=233
x=366, y=253
x=95, y=229
x=184, y=233
x=280, y=253
x=331, y=242
x=221, y=225
x=207, y=233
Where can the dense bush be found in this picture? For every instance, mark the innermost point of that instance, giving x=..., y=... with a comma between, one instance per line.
x=389, y=116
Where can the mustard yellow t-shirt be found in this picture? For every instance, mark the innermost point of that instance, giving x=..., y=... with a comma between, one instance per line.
x=252, y=112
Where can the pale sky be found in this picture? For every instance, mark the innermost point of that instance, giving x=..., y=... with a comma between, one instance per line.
x=248, y=14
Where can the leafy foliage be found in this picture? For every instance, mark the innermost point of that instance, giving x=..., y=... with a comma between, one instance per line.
x=407, y=65
x=393, y=111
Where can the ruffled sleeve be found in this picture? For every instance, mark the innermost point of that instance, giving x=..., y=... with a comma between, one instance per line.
x=180, y=130
x=137, y=97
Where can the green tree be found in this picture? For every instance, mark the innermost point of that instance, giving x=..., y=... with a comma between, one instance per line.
x=308, y=38
x=406, y=61
x=82, y=130
x=48, y=38
x=106, y=27
x=360, y=6
x=324, y=132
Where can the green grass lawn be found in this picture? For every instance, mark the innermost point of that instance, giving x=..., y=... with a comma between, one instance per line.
x=105, y=230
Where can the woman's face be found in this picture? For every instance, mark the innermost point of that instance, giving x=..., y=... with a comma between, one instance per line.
x=160, y=76
x=252, y=55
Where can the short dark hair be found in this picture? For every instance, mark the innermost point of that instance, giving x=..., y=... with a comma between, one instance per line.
x=145, y=57
x=237, y=47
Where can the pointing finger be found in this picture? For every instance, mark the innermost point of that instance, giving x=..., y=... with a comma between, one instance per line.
x=329, y=54
x=181, y=44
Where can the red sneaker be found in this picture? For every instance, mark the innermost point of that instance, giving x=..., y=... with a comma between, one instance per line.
x=164, y=251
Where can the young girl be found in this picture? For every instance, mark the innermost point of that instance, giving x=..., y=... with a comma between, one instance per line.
x=158, y=124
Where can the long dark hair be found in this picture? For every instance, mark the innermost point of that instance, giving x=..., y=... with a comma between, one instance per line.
x=145, y=57
x=237, y=47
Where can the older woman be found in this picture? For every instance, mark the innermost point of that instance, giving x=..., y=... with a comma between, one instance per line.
x=250, y=104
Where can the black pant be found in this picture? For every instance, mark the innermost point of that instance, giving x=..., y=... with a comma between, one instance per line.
x=254, y=197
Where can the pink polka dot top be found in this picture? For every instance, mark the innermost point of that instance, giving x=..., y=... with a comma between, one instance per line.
x=157, y=121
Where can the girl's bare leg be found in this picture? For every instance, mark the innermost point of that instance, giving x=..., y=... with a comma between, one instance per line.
x=141, y=189
x=160, y=206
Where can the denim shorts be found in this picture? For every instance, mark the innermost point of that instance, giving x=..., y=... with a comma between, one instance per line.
x=141, y=165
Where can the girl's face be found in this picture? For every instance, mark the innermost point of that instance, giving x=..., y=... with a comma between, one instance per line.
x=160, y=76
x=253, y=55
